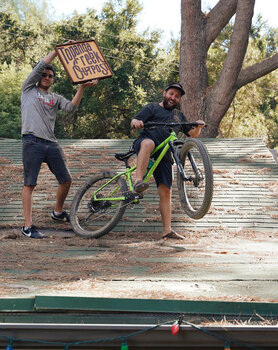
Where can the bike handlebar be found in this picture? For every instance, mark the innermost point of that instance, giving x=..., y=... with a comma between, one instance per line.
x=171, y=124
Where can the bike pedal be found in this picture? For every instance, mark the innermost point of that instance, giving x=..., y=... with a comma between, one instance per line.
x=132, y=196
x=138, y=195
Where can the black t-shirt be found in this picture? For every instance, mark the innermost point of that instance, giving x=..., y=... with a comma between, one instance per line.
x=153, y=112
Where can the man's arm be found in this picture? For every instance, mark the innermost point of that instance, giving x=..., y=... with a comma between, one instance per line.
x=195, y=131
x=35, y=75
x=136, y=123
x=50, y=57
x=79, y=94
x=142, y=116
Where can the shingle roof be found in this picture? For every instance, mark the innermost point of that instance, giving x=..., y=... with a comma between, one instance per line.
x=245, y=186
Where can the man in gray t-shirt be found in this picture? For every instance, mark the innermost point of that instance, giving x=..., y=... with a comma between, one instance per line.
x=39, y=109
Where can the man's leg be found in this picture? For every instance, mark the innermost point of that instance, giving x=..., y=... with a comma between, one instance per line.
x=165, y=207
x=29, y=229
x=146, y=148
x=56, y=162
x=27, y=201
x=33, y=153
x=163, y=176
x=61, y=195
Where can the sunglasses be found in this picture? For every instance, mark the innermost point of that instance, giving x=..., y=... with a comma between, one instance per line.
x=45, y=75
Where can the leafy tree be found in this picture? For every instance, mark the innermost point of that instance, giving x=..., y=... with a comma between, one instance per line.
x=26, y=9
x=23, y=31
x=140, y=70
x=22, y=35
x=10, y=92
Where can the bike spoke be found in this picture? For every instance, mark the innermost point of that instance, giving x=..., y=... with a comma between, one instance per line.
x=93, y=213
x=196, y=190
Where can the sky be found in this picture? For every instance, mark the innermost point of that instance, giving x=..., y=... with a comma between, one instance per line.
x=160, y=14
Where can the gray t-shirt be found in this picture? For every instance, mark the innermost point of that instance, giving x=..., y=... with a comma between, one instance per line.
x=38, y=108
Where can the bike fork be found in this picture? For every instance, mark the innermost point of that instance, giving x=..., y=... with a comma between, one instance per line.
x=177, y=160
x=179, y=165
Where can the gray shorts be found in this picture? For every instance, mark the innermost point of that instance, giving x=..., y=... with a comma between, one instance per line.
x=163, y=174
x=35, y=151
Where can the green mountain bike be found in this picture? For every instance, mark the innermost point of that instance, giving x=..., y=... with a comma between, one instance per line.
x=100, y=203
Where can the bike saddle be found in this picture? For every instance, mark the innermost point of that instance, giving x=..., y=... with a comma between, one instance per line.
x=124, y=156
x=178, y=143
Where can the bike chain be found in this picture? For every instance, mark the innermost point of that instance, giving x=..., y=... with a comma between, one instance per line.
x=129, y=201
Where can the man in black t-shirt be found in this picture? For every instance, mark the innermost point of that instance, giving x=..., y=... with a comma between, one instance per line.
x=149, y=139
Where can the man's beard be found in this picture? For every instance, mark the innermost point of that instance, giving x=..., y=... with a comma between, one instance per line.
x=166, y=104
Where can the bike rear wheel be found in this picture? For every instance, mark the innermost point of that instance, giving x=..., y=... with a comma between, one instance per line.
x=94, y=218
x=197, y=190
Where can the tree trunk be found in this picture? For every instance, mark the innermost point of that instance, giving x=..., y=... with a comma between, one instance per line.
x=198, y=31
x=193, y=70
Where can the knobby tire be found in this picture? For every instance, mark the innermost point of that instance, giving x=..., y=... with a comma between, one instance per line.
x=195, y=197
x=89, y=219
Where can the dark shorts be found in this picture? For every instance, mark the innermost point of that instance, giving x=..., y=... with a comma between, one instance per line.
x=163, y=174
x=35, y=151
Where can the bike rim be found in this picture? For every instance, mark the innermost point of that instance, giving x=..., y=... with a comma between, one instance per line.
x=196, y=184
x=96, y=210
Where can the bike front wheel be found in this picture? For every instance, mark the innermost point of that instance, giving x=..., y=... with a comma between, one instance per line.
x=95, y=209
x=197, y=189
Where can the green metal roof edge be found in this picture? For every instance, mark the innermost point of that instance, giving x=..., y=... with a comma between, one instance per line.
x=17, y=304
x=60, y=303
x=51, y=303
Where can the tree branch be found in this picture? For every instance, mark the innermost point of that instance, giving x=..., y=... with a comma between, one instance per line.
x=239, y=41
x=217, y=19
x=257, y=70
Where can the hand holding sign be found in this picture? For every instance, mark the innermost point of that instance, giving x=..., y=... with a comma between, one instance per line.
x=83, y=61
x=90, y=83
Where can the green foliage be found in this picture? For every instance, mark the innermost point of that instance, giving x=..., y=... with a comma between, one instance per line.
x=24, y=31
x=244, y=119
x=10, y=90
x=24, y=10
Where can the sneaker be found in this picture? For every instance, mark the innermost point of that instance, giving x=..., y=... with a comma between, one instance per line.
x=31, y=232
x=140, y=186
x=63, y=217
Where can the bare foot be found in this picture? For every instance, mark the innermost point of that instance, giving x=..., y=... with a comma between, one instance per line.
x=172, y=234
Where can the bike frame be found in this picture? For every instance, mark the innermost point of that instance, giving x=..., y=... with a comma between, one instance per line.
x=166, y=145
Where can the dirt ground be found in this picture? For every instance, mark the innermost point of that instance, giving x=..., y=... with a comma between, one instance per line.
x=138, y=265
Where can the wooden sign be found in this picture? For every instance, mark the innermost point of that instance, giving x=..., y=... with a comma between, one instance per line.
x=83, y=61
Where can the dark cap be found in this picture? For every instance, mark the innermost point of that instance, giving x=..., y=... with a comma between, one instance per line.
x=175, y=86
